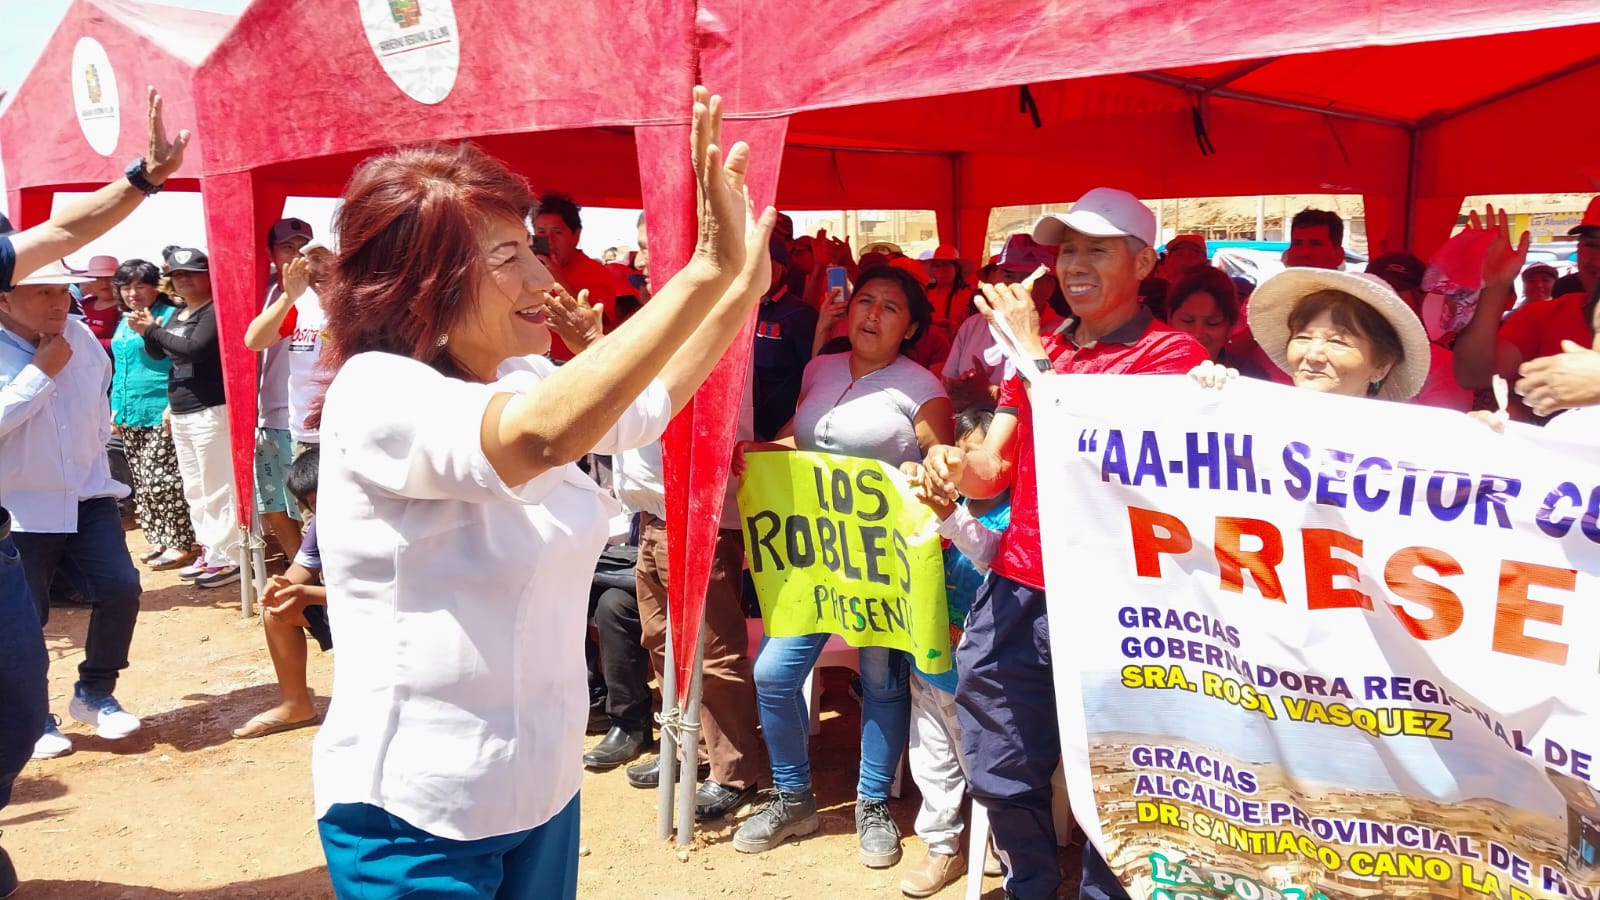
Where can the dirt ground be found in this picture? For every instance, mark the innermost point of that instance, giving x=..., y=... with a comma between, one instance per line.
x=182, y=810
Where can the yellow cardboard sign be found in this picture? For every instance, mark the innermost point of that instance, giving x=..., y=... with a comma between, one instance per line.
x=839, y=545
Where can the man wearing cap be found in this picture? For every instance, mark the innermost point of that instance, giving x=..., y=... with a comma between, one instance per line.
x=54, y=381
x=786, y=326
x=65, y=496
x=802, y=259
x=1538, y=282
x=969, y=377
x=1005, y=700
x=1184, y=252
x=286, y=384
x=559, y=221
x=1403, y=272
x=1487, y=347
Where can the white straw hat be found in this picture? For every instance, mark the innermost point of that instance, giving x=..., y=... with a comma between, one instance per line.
x=53, y=273
x=1274, y=301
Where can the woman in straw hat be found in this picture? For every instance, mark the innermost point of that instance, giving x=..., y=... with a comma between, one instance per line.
x=1335, y=332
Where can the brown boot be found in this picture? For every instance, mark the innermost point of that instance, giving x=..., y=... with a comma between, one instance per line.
x=935, y=872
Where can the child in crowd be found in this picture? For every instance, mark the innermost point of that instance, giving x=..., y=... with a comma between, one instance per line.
x=293, y=605
x=973, y=530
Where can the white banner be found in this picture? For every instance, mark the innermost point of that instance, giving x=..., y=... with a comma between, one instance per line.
x=1310, y=645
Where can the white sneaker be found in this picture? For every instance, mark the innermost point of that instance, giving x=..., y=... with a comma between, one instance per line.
x=104, y=713
x=52, y=743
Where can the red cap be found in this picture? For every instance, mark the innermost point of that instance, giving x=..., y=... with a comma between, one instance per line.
x=1591, y=218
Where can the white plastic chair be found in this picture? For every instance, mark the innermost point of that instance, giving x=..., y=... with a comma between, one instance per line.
x=978, y=831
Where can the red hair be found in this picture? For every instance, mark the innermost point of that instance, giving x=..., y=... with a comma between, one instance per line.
x=410, y=254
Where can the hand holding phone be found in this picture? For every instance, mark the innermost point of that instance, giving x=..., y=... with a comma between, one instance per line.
x=838, y=285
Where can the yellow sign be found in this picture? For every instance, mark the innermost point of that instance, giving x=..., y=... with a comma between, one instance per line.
x=838, y=545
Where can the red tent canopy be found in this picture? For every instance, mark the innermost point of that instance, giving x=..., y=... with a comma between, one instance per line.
x=301, y=91
x=90, y=80
x=959, y=108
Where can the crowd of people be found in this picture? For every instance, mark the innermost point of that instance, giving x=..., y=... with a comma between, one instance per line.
x=444, y=439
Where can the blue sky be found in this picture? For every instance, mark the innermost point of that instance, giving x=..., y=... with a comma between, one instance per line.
x=25, y=26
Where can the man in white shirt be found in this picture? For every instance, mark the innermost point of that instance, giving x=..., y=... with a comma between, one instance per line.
x=24, y=701
x=276, y=426
x=54, y=423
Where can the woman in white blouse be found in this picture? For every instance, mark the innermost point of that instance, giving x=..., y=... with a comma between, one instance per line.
x=457, y=537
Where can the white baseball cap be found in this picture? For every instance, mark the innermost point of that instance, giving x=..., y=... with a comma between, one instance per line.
x=1103, y=212
x=53, y=273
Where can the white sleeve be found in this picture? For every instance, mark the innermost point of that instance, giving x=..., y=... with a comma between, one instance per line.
x=922, y=387
x=642, y=423
x=412, y=432
x=975, y=540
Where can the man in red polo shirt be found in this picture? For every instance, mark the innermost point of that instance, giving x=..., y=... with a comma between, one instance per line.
x=1006, y=695
x=558, y=220
x=1487, y=347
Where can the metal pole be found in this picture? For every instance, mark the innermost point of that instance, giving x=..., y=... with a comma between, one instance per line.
x=1413, y=173
x=666, y=773
x=252, y=571
x=689, y=743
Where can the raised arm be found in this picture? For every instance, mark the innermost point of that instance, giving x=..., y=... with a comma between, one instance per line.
x=264, y=329
x=981, y=474
x=68, y=231
x=694, y=360
x=1479, y=352
x=572, y=410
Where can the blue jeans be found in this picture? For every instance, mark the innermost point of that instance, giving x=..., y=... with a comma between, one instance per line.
x=780, y=672
x=373, y=855
x=95, y=561
x=24, y=699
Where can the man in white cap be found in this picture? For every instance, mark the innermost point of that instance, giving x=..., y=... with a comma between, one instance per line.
x=47, y=368
x=1006, y=698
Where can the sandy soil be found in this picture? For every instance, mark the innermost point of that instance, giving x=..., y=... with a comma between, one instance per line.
x=182, y=810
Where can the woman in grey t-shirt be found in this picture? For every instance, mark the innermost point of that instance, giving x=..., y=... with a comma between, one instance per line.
x=873, y=402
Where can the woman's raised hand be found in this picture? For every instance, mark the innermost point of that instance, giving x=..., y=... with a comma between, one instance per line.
x=1502, y=260
x=723, y=205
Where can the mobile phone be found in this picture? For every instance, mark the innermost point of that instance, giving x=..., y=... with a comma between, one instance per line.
x=837, y=284
x=541, y=245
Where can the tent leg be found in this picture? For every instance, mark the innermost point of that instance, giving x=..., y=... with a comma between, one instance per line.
x=1413, y=165
x=253, y=571
x=667, y=773
x=689, y=744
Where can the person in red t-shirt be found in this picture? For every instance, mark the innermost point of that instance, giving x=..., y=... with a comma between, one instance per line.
x=1487, y=347
x=1006, y=697
x=558, y=220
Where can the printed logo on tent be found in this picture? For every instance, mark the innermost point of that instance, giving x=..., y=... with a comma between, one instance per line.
x=94, y=96
x=416, y=43
x=406, y=12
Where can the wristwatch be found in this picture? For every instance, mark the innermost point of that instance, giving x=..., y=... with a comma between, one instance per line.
x=136, y=177
x=1043, y=365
